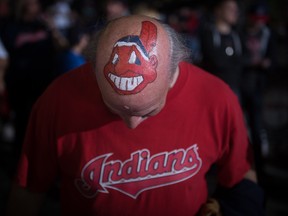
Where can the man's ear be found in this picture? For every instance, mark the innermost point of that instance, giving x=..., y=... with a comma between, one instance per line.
x=174, y=77
x=153, y=61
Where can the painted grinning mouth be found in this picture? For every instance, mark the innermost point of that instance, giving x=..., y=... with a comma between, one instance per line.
x=126, y=83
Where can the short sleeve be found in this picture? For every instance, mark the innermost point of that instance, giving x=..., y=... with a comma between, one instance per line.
x=235, y=159
x=37, y=167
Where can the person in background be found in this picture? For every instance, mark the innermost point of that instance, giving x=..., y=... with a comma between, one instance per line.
x=259, y=52
x=116, y=8
x=61, y=16
x=221, y=44
x=147, y=9
x=186, y=20
x=30, y=44
x=73, y=56
x=4, y=12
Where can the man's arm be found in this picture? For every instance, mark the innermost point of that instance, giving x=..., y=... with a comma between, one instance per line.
x=246, y=189
x=24, y=202
x=245, y=198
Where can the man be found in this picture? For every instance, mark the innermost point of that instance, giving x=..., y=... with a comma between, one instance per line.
x=260, y=61
x=221, y=44
x=30, y=43
x=139, y=138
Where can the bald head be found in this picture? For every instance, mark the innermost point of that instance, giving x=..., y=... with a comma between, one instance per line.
x=133, y=65
x=131, y=54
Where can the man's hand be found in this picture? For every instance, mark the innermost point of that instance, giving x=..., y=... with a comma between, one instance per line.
x=210, y=208
x=251, y=175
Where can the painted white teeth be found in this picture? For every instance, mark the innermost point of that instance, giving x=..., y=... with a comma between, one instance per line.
x=126, y=83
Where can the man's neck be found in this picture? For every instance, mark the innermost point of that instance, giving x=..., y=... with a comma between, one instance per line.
x=175, y=77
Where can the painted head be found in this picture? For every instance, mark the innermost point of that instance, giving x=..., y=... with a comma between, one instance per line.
x=133, y=69
x=130, y=67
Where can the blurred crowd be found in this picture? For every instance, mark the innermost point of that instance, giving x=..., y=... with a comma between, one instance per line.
x=41, y=40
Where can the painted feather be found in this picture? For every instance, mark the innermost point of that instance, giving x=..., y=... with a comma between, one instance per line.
x=148, y=35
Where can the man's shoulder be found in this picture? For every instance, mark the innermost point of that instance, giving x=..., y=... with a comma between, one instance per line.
x=75, y=78
x=70, y=86
x=206, y=85
x=202, y=77
x=75, y=75
x=72, y=102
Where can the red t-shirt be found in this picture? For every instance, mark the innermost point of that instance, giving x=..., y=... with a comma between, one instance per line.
x=158, y=168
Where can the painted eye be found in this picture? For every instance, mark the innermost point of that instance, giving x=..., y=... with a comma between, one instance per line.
x=133, y=59
x=115, y=59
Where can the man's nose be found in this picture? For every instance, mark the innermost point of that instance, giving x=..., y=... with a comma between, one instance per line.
x=133, y=121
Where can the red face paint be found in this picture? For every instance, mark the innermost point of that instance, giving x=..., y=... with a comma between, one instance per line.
x=131, y=67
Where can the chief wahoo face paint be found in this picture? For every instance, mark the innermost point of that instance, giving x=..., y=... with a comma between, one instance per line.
x=131, y=67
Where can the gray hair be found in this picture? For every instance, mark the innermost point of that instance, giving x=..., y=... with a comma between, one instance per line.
x=178, y=49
